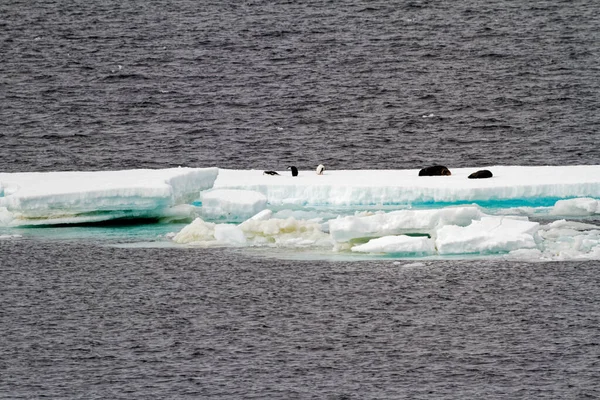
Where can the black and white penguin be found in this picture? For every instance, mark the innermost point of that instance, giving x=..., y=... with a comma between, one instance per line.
x=320, y=169
x=436, y=170
x=294, y=170
x=270, y=173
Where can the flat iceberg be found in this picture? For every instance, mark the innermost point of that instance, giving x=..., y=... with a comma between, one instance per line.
x=395, y=187
x=39, y=198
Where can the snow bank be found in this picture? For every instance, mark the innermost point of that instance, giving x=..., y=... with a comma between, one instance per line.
x=231, y=204
x=71, y=197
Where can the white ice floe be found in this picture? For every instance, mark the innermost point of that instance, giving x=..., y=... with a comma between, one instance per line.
x=402, y=244
x=72, y=197
x=231, y=204
x=516, y=238
x=340, y=210
x=255, y=232
x=570, y=240
x=10, y=237
x=230, y=234
x=383, y=187
x=488, y=235
x=579, y=207
x=425, y=222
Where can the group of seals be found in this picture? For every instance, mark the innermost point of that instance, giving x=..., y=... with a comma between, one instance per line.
x=320, y=170
x=440, y=170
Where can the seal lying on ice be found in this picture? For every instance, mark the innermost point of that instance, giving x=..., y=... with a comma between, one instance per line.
x=483, y=173
x=436, y=170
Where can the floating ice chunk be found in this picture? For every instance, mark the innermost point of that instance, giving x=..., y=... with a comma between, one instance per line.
x=10, y=237
x=580, y=207
x=525, y=255
x=401, y=222
x=262, y=216
x=179, y=213
x=489, y=235
x=570, y=240
x=288, y=232
x=418, y=246
x=72, y=197
x=411, y=265
x=6, y=217
x=564, y=224
x=255, y=232
x=231, y=204
x=230, y=234
x=197, y=232
x=316, y=216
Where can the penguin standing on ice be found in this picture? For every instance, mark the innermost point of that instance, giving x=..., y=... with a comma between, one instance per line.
x=320, y=169
x=294, y=170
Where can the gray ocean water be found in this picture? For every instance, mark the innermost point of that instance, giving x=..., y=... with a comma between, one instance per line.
x=111, y=85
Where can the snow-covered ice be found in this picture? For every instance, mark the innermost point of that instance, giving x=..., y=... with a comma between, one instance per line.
x=73, y=197
x=393, y=187
x=355, y=212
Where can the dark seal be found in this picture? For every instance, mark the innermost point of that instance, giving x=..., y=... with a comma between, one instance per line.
x=294, y=170
x=436, y=170
x=481, y=174
x=270, y=173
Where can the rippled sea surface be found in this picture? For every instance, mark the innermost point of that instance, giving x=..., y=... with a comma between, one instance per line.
x=110, y=85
